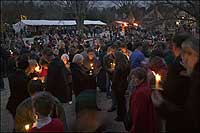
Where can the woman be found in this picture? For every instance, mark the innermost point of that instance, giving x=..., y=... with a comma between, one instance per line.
x=120, y=84
x=141, y=107
x=65, y=59
x=84, y=85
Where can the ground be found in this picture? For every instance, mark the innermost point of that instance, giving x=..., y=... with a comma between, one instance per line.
x=103, y=103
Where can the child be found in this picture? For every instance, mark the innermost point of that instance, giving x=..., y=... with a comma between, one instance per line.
x=43, y=106
x=141, y=107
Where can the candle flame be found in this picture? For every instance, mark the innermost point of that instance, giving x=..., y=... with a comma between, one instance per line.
x=157, y=76
x=37, y=69
x=27, y=127
x=35, y=78
x=135, y=24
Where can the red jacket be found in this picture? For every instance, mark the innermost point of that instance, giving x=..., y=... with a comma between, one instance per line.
x=54, y=126
x=142, y=110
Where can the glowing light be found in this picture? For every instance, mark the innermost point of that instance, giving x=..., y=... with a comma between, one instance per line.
x=135, y=24
x=27, y=127
x=158, y=79
x=37, y=69
x=177, y=22
x=35, y=78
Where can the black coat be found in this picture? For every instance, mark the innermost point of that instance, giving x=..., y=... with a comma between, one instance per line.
x=81, y=80
x=175, y=93
x=18, y=82
x=119, y=81
x=193, y=102
x=57, y=82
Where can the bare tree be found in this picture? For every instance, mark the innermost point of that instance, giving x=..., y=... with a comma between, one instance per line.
x=79, y=9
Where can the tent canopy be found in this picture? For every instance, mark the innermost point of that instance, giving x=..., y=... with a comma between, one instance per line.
x=93, y=22
x=20, y=25
x=49, y=22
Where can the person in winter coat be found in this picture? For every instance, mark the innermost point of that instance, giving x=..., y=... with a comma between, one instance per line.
x=57, y=82
x=191, y=60
x=142, y=110
x=176, y=87
x=84, y=85
x=120, y=84
x=25, y=114
x=18, y=85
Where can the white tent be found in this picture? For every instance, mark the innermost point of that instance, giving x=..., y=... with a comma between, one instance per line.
x=93, y=22
x=49, y=22
x=20, y=25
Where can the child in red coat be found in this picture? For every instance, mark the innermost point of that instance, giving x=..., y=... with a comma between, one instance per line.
x=142, y=111
x=43, y=105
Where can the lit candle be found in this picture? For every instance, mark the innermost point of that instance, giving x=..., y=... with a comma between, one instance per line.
x=37, y=69
x=27, y=127
x=35, y=78
x=112, y=65
x=92, y=66
x=158, y=79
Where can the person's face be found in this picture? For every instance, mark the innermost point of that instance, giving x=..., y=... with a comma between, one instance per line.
x=136, y=81
x=123, y=50
x=189, y=58
x=65, y=60
x=175, y=50
x=91, y=55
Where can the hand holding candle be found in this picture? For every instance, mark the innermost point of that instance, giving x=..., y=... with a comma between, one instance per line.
x=91, y=66
x=158, y=79
x=37, y=69
x=112, y=65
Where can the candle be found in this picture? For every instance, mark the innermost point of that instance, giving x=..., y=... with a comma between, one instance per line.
x=37, y=69
x=158, y=79
x=27, y=127
x=112, y=65
x=35, y=78
x=92, y=66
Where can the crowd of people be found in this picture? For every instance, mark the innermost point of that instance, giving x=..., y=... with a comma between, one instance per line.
x=45, y=74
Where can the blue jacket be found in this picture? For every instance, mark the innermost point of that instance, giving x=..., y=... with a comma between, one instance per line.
x=136, y=58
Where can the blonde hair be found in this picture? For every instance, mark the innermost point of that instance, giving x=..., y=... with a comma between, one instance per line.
x=61, y=44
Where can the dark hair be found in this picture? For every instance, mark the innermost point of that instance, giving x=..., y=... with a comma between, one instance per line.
x=43, y=62
x=140, y=73
x=121, y=60
x=123, y=45
x=22, y=62
x=43, y=103
x=90, y=50
x=137, y=44
x=179, y=38
x=34, y=86
x=47, y=52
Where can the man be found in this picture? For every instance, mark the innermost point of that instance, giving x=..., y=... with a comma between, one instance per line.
x=91, y=62
x=175, y=89
x=24, y=112
x=93, y=66
x=57, y=79
x=137, y=56
x=108, y=61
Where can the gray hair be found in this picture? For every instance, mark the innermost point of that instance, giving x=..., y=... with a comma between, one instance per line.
x=65, y=56
x=193, y=43
x=78, y=59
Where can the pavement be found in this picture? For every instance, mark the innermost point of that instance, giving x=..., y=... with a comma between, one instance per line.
x=7, y=122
